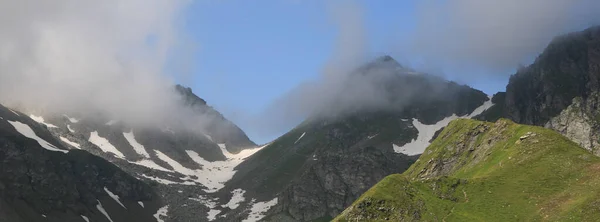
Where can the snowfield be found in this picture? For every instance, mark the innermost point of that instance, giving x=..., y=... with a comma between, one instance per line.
x=26, y=131
x=236, y=199
x=104, y=145
x=40, y=119
x=71, y=143
x=426, y=132
x=259, y=209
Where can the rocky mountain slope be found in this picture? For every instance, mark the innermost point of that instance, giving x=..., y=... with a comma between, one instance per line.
x=481, y=171
x=317, y=169
x=184, y=165
x=561, y=89
x=43, y=180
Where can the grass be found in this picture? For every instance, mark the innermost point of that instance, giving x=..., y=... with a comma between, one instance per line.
x=478, y=171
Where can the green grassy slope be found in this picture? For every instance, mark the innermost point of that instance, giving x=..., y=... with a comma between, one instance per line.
x=480, y=171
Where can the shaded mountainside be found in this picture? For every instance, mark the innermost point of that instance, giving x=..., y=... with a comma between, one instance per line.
x=183, y=165
x=561, y=89
x=481, y=171
x=41, y=180
x=320, y=167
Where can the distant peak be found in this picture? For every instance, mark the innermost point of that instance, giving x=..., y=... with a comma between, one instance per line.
x=385, y=58
x=189, y=96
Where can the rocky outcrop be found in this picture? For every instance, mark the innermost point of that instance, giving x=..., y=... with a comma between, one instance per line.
x=560, y=89
x=569, y=67
x=580, y=122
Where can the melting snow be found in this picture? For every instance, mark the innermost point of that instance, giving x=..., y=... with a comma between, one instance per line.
x=71, y=143
x=139, y=148
x=165, y=181
x=101, y=209
x=141, y=203
x=69, y=128
x=259, y=209
x=210, y=203
x=85, y=218
x=208, y=136
x=72, y=120
x=151, y=164
x=300, y=137
x=40, y=119
x=114, y=196
x=426, y=132
x=26, y=131
x=161, y=212
x=213, y=175
x=236, y=199
x=212, y=214
x=104, y=145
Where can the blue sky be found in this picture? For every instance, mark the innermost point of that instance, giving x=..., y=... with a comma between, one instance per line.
x=250, y=53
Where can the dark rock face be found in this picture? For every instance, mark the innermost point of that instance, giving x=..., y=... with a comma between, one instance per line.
x=568, y=68
x=560, y=89
x=37, y=184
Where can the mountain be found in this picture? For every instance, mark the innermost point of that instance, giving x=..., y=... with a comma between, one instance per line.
x=481, y=171
x=42, y=180
x=560, y=90
x=184, y=163
x=321, y=166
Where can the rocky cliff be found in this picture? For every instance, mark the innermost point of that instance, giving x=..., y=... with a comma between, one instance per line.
x=560, y=89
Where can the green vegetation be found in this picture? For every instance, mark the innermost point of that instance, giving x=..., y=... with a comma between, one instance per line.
x=479, y=171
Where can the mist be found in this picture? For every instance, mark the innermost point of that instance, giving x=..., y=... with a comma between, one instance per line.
x=491, y=36
x=70, y=56
x=460, y=40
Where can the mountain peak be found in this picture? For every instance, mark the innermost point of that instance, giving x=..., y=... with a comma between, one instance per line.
x=189, y=96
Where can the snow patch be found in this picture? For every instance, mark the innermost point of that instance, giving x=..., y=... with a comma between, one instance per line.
x=69, y=128
x=112, y=122
x=150, y=164
x=161, y=212
x=43, y=215
x=85, y=218
x=212, y=214
x=141, y=203
x=236, y=199
x=26, y=131
x=72, y=120
x=304, y=133
x=167, y=182
x=426, y=132
x=371, y=137
x=208, y=137
x=40, y=119
x=486, y=105
x=104, y=145
x=259, y=209
x=71, y=143
x=101, y=209
x=211, y=204
x=139, y=148
x=114, y=196
x=213, y=175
